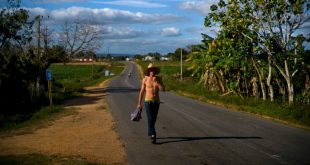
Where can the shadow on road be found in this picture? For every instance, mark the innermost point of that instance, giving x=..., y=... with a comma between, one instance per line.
x=93, y=95
x=121, y=90
x=90, y=96
x=164, y=140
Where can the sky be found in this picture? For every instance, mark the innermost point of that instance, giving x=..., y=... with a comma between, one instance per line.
x=132, y=26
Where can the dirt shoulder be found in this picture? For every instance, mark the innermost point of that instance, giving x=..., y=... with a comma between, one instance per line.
x=89, y=133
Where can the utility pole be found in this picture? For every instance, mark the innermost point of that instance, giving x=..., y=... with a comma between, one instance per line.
x=38, y=58
x=45, y=39
x=38, y=18
x=181, y=65
x=92, y=69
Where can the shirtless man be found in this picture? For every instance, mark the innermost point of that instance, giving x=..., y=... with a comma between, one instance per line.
x=151, y=85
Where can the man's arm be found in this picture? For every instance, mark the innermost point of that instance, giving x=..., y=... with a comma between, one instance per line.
x=141, y=93
x=160, y=84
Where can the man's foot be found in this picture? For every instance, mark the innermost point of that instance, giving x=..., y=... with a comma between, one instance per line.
x=153, y=138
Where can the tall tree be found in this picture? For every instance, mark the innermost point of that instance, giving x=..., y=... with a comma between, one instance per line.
x=258, y=36
x=14, y=25
x=18, y=70
x=230, y=49
x=276, y=23
x=79, y=36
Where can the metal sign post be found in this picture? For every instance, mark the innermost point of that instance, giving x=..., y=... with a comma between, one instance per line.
x=49, y=78
x=181, y=76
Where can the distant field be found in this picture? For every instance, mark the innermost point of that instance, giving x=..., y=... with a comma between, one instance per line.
x=75, y=72
x=73, y=77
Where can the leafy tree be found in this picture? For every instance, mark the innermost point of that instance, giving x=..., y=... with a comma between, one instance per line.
x=14, y=25
x=21, y=73
x=275, y=24
x=91, y=54
x=57, y=54
x=227, y=56
x=170, y=55
x=138, y=56
x=119, y=58
x=177, y=54
x=80, y=54
x=155, y=55
x=254, y=36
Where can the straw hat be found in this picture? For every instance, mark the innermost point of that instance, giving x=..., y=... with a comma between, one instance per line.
x=152, y=67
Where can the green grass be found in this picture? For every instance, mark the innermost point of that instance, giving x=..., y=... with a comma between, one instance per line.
x=294, y=114
x=46, y=113
x=68, y=82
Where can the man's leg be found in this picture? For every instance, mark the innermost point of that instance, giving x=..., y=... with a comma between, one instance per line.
x=154, y=110
x=150, y=119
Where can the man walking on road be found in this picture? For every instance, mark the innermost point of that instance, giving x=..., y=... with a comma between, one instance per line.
x=151, y=85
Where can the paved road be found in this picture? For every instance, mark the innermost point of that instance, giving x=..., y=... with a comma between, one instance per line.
x=192, y=132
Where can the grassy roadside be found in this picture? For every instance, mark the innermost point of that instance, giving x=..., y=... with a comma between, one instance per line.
x=68, y=82
x=79, y=78
x=297, y=115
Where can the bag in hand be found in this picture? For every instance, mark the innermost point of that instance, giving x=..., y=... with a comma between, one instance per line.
x=136, y=115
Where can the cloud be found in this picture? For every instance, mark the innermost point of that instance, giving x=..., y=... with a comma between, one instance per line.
x=195, y=30
x=131, y=33
x=37, y=11
x=142, y=46
x=170, y=31
x=132, y=3
x=212, y=31
x=202, y=7
x=106, y=16
x=122, y=33
x=60, y=1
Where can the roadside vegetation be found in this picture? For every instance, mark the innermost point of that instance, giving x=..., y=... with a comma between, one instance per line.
x=68, y=81
x=296, y=114
x=27, y=51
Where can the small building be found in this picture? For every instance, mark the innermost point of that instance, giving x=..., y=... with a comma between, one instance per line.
x=148, y=58
x=129, y=59
x=164, y=59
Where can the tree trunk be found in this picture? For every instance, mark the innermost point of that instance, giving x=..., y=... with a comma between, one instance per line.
x=306, y=93
x=221, y=81
x=33, y=88
x=271, y=93
x=206, y=77
x=288, y=77
x=254, y=87
x=261, y=77
x=281, y=90
x=238, y=83
x=290, y=88
x=262, y=84
x=246, y=88
x=263, y=89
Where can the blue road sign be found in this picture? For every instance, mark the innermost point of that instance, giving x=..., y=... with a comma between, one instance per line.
x=48, y=74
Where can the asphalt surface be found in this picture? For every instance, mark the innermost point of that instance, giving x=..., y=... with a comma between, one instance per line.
x=193, y=132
